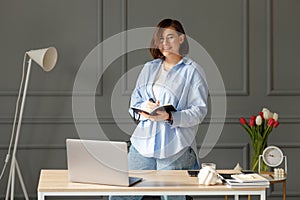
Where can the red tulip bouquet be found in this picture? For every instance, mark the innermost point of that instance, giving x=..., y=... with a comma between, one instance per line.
x=259, y=128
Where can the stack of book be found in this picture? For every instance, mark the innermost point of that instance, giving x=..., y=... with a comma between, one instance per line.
x=247, y=180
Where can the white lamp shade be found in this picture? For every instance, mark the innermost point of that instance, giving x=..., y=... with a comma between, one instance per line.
x=46, y=58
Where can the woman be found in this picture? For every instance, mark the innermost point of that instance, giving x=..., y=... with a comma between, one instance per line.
x=166, y=141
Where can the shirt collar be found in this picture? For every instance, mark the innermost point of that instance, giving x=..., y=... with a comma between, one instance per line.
x=185, y=60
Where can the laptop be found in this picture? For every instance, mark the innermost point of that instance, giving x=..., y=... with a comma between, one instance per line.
x=100, y=162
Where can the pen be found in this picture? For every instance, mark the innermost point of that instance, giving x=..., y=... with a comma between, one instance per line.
x=151, y=100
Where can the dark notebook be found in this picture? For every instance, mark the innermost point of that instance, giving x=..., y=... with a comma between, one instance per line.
x=167, y=107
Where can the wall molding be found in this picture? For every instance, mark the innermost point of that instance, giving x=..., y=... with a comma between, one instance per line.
x=271, y=90
x=245, y=148
x=99, y=69
x=245, y=48
x=122, y=119
x=124, y=61
x=35, y=147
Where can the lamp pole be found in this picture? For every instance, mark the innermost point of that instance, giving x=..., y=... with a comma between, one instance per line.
x=45, y=58
x=14, y=164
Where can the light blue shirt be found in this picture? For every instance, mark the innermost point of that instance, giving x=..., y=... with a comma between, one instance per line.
x=186, y=88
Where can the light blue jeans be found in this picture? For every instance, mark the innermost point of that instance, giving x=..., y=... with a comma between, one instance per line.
x=136, y=161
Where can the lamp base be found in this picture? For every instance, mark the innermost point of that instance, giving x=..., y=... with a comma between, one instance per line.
x=11, y=179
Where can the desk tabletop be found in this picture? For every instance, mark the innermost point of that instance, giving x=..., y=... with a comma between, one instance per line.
x=272, y=179
x=153, y=180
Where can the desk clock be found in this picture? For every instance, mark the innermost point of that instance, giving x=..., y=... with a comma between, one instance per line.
x=273, y=157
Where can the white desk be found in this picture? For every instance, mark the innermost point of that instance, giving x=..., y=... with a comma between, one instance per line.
x=173, y=182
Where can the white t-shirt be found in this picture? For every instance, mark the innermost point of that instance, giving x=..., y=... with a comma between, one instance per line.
x=159, y=82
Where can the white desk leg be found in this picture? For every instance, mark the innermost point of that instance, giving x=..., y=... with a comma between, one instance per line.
x=41, y=196
x=263, y=195
x=236, y=197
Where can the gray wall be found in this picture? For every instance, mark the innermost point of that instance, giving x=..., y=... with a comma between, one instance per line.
x=255, y=44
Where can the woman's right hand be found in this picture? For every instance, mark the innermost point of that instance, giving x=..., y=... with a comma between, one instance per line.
x=151, y=105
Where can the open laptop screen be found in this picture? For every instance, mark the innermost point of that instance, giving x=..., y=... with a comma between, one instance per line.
x=101, y=162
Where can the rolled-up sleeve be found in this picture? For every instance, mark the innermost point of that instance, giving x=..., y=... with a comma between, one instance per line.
x=197, y=109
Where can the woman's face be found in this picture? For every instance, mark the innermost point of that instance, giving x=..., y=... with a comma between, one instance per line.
x=170, y=41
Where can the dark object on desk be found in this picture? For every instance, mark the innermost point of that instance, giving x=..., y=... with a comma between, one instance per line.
x=225, y=176
x=247, y=171
x=187, y=197
x=193, y=173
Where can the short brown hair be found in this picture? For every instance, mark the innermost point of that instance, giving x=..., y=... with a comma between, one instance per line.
x=155, y=52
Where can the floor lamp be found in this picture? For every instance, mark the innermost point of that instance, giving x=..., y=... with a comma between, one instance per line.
x=46, y=58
